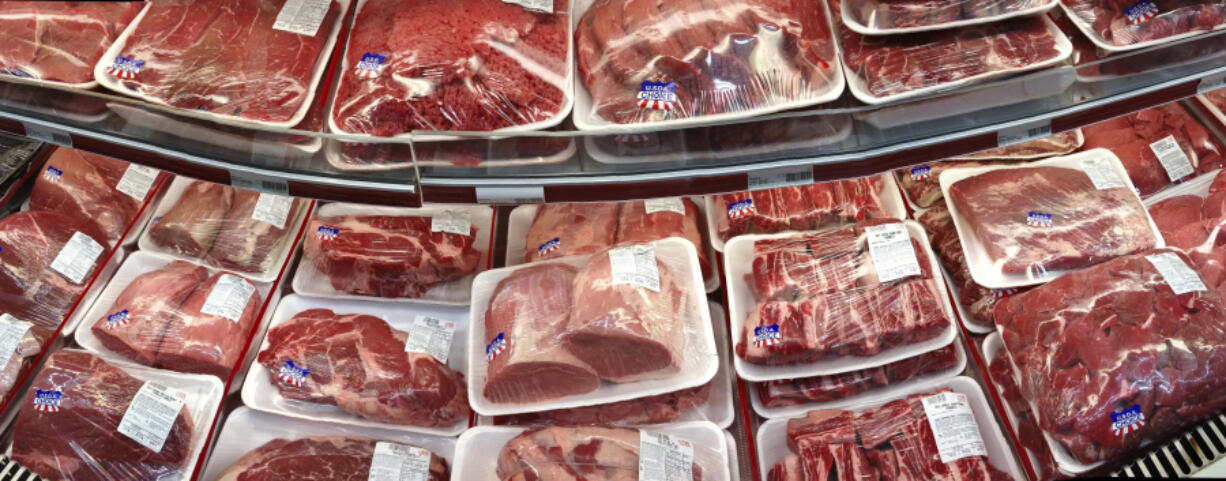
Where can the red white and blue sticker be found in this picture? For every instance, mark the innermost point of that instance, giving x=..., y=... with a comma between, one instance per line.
x=370, y=66
x=53, y=174
x=550, y=246
x=1141, y=11
x=327, y=233
x=495, y=347
x=657, y=95
x=921, y=173
x=293, y=374
x=1038, y=219
x=47, y=401
x=739, y=209
x=1003, y=293
x=766, y=336
x=125, y=67
x=118, y=319
x=1127, y=421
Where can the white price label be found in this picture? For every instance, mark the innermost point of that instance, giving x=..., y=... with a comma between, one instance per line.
x=1176, y=273
x=273, y=209
x=430, y=336
x=1101, y=174
x=1172, y=158
x=635, y=265
x=534, y=194
x=1023, y=133
x=784, y=177
x=545, y=6
x=665, y=458
x=451, y=222
x=136, y=181
x=228, y=298
x=12, y=331
x=1211, y=83
x=77, y=257
x=667, y=204
x=152, y=414
x=954, y=427
x=48, y=135
x=892, y=252
x=258, y=183
x=397, y=462
x=302, y=17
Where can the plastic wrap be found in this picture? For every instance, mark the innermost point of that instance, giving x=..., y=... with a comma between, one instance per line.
x=1192, y=218
x=1057, y=144
x=19, y=341
x=822, y=389
x=1122, y=353
x=93, y=188
x=233, y=59
x=646, y=61
x=342, y=457
x=801, y=208
x=59, y=41
x=1023, y=225
x=33, y=286
x=72, y=421
x=1127, y=22
x=885, y=16
x=1149, y=143
x=474, y=65
x=236, y=229
x=1019, y=413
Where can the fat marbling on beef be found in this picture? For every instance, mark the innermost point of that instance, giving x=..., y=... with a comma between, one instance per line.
x=560, y=230
x=59, y=41
x=192, y=224
x=801, y=208
x=556, y=453
x=84, y=186
x=818, y=389
x=1127, y=22
x=897, y=14
x=318, y=458
x=943, y=236
x=1133, y=137
x=1195, y=224
x=33, y=288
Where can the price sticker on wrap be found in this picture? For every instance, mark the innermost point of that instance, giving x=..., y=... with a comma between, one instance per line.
x=77, y=257
x=273, y=209
x=784, y=177
x=397, y=462
x=635, y=265
x=302, y=17
x=667, y=204
x=137, y=181
x=892, y=252
x=953, y=426
x=151, y=415
x=430, y=336
x=1172, y=158
x=665, y=458
x=451, y=222
x=12, y=331
x=1101, y=174
x=228, y=298
x=1176, y=273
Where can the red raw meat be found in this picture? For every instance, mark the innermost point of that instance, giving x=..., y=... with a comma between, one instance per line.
x=1088, y=225
x=799, y=208
x=190, y=227
x=1130, y=137
x=1025, y=424
x=30, y=289
x=246, y=244
x=659, y=409
x=59, y=41
x=560, y=230
x=388, y=256
x=82, y=185
x=136, y=322
x=1174, y=213
x=1110, y=20
x=332, y=458
x=207, y=343
x=636, y=226
x=358, y=363
x=224, y=56
x=829, y=388
x=81, y=441
x=30, y=344
x=557, y=453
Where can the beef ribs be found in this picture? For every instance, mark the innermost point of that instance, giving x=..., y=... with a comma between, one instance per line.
x=82, y=185
x=191, y=225
x=358, y=363
x=638, y=222
x=80, y=441
x=802, y=208
x=31, y=289
x=571, y=229
x=136, y=322
x=524, y=324
x=59, y=41
x=1112, y=357
x=1088, y=225
x=1130, y=138
x=556, y=453
x=387, y=256
x=658, y=409
x=836, y=386
x=246, y=244
x=331, y=458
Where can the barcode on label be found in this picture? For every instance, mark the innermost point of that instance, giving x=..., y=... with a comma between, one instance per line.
x=785, y=177
x=302, y=17
x=1176, y=273
x=48, y=135
x=511, y=195
x=1172, y=158
x=151, y=415
x=1023, y=133
x=1211, y=83
x=258, y=183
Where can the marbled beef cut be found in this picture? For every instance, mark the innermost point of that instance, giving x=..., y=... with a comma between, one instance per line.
x=319, y=458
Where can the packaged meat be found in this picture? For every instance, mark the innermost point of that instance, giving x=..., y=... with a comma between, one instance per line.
x=92, y=188
x=47, y=259
x=560, y=230
x=1017, y=410
x=20, y=342
x=802, y=208
x=880, y=17
x=621, y=324
x=1094, y=357
x=694, y=451
x=658, y=62
x=942, y=432
x=834, y=301
x=256, y=446
x=1157, y=146
x=1026, y=225
x=231, y=61
x=1116, y=25
x=239, y=230
x=1192, y=217
x=84, y=419
x=1057, y=144
x=426, y=254
x=59, y=42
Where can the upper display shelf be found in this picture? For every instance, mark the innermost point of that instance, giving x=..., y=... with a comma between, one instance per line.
x=364, y=100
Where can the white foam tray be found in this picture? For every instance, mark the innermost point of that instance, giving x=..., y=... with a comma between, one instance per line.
x=161, y=122
x=891, y=199
x=855, y=25
x=772, y=435
x=868, y=397
x=968, y=320
x=859, y=88
x=93, y=292
x=246, y=430
x=699, y=359
x=521, y=218
x=991, y=344
x=586, y=118
x=310, y=282
x=1213, y=110
x=478, y=448
x=739, y=264
x=172, y=196
x=144, y=214
x=321, y=65
x=260, y=394
x=1198, y=186
x=980, y=265
x=83, y=85
x=334, y=154
x=842, y=130
x=1102, y=43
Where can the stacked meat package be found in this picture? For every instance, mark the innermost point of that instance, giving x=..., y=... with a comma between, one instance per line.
x=1125, y=24
x=59, y=41
x=1158, y=146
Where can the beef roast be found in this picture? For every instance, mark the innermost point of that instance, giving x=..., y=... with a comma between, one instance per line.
x=31, y=288
x=191, y=225
x=330, y=458
x=658, y=409
x=556, y=453
x=570, y=229
x=1132, y=136
x=209, y=333
x=136, y=322
x=59, y=41
x=247, y=244
x=83, y=186
x=645, y=221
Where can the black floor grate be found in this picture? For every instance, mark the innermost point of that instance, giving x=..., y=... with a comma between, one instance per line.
x=1198, y=448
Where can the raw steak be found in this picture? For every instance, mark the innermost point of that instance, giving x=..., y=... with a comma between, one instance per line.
x=81, y=441
x=226, y=57
x=524, y=324
x=136, y=322
x=571, y=229
x=327, y=458
x=803, y=208
x=1110, y=18
x=1088, y=225
x=829, y=388
x=659, y=409
x=82, y=185
x=246, y=244
x=1131, y=138
x=557, y=453
x=387, y=256
x=635, y=225
x=59, y=41
x=207, y=343
x=452, y=65
x=1111, y=357
x=30, y=288
x=190, y=227
x=358, y=363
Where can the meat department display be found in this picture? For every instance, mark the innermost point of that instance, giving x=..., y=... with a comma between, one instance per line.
x=96, y=189
x=337, y=458
x=46, y=261
x=820, y=389
x=801, y=208
x=1157, y=146
x=1122, y=23
x=59, y=41
x=882, y=16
